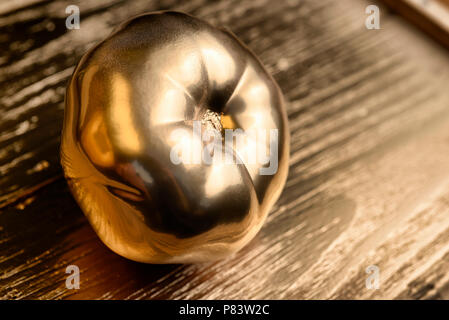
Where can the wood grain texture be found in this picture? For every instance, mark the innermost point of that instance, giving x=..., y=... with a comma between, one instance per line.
x=431, y=16
x=369, y=169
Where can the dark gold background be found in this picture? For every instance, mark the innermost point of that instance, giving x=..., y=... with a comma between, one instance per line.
x=369, y=169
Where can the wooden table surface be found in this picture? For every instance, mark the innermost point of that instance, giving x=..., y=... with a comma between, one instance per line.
x=369, y=168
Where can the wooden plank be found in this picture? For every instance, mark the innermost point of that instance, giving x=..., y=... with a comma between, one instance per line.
x=432, y=16
x=368, y=182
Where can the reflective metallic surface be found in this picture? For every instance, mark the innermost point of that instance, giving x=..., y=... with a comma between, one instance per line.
x=158, y=73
